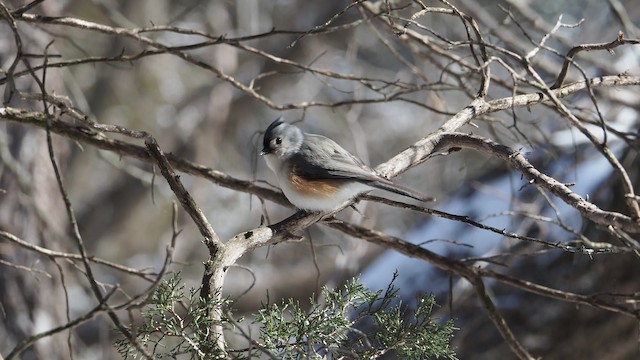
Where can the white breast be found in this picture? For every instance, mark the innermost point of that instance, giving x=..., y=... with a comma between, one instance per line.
x=302, y=201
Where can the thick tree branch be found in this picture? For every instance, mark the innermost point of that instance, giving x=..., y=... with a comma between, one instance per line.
x=421, y=150
x=517, y=161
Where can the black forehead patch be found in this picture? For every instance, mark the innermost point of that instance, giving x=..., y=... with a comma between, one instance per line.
x=268, y=134
x=273, y=125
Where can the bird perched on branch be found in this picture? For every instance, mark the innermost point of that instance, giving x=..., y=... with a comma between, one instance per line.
x=317, y=174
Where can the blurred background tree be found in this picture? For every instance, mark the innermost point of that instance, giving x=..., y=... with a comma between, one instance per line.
x=205, y=77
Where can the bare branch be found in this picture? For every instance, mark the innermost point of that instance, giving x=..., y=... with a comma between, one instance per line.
x=517, y=161
x=619, y=41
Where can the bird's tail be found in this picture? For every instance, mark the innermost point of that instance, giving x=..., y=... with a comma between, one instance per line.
x=400, y=190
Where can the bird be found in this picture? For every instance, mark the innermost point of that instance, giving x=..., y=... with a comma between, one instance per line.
x=317, y=174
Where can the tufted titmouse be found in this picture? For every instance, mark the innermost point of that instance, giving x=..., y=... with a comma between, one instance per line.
x=317, y=174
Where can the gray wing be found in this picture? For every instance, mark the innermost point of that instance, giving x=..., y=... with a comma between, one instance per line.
x=321, y=158
x=324, y=158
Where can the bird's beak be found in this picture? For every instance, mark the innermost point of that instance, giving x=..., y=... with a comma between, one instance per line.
x=264, y=151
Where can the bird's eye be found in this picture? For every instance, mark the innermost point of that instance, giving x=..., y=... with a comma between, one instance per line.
x=278, y=140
